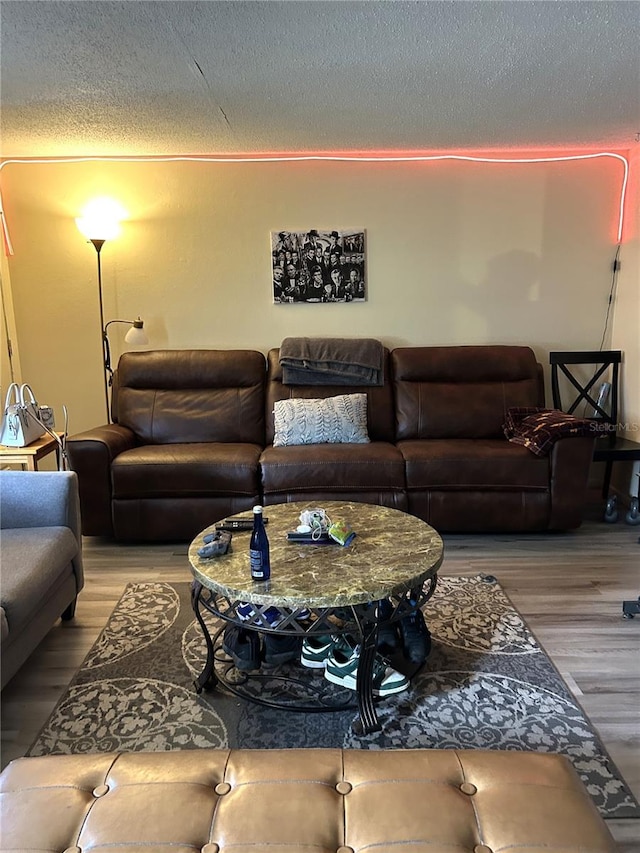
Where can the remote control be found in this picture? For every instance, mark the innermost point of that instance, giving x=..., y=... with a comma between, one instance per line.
x=238, y=524
x=306, y=539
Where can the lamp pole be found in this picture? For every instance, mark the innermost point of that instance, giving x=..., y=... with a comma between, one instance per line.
x=102, y=216
x=98, y=244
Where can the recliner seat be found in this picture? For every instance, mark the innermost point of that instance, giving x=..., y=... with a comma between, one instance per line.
x=184, y=449
x=461, y=472
x=367, y=473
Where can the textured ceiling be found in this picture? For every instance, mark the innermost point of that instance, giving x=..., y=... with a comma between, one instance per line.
x=218, y=77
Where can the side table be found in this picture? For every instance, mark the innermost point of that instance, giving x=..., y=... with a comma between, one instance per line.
x=30, y=455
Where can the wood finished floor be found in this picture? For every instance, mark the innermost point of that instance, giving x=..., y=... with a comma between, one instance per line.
x=569, y=587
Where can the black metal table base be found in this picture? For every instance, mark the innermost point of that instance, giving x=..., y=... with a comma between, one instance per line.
x=288, y=686
x=300, y=689
x=207, y=677
x=368, y=720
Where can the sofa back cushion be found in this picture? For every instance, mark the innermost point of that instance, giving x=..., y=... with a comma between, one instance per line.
x=462, y=391
x=187, y=396
x=380, y=419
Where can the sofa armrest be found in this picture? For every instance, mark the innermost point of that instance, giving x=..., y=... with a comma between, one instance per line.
x=570, y=461
x=42, y=499
x=39, y=499
x=90, y=456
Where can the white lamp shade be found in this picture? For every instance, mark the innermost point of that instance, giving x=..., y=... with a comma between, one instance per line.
x=136, y=336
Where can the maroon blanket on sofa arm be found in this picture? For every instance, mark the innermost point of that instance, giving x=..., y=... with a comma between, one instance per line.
x=539, y=429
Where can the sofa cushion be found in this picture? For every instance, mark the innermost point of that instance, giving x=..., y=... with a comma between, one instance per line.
x=380, y=419
x=462, y=392
x=179, y=396
x=463, y=464
x=332, y=467
x=33, y=559
x=334, y=420
x=176, y=470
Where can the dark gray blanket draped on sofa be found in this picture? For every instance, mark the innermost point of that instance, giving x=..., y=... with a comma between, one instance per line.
x=332, y=361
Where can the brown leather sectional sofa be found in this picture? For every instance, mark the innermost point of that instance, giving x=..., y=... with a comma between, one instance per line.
x=192, y=440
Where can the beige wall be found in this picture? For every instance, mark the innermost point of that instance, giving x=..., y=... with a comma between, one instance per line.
x=626, y=336
x=9, y=362
x=457, y=253
x=626, y=320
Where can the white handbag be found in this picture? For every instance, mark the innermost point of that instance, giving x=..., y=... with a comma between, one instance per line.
x=21, y=424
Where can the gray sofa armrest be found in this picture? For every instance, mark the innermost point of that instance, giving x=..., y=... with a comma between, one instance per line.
x=42, y=499
x=39, y=499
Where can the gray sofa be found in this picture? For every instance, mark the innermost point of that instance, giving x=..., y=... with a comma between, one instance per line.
x=40, y=559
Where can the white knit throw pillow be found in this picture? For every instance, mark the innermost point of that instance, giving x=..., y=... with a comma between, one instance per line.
x=333, y=420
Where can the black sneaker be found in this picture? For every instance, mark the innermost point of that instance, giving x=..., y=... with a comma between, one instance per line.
x=415, y=636
x=243, y=647
x=281, y=648
x=388, y=639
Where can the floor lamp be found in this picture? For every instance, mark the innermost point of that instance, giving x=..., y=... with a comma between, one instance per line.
x=102, y=219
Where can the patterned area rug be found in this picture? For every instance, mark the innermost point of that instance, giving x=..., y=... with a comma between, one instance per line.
x=486, y=685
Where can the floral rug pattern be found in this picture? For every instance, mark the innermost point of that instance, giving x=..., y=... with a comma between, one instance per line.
x=487, y=684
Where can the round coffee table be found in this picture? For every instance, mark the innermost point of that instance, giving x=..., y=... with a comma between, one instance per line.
x=393, y=556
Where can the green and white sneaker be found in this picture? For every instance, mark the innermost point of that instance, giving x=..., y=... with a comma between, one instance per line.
x=316, y=650
x=342, y=668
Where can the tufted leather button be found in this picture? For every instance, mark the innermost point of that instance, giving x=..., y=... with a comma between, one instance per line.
x=344, y=788
x=212, y=847
x=221, y=789
x=101, y=790
x=482, y=848
x=469, y=788
x=345, y=850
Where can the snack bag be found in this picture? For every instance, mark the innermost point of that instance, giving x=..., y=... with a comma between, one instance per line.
x=341, y=532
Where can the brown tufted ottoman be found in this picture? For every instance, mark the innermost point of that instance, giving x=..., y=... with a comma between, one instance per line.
x=299, y=801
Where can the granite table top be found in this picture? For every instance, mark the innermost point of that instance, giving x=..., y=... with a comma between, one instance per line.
x=391, y=553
